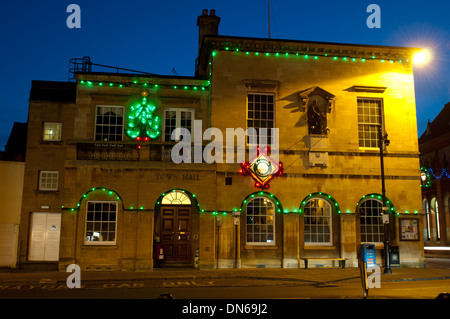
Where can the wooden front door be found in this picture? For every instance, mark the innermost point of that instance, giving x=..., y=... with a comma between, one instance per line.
x=176, y=234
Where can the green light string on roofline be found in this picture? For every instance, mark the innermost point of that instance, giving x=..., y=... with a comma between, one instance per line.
x=312, y=56
x=143, y=85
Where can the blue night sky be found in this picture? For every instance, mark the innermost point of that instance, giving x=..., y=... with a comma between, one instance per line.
x=156, y=36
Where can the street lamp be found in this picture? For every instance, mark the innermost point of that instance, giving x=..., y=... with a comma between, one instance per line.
x=383, y=141
x=422, y=57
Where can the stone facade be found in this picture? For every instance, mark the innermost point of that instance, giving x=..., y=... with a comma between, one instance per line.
x=216, y=217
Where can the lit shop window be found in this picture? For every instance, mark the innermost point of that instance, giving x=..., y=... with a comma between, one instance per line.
x=52, y=131
x=260, y=213
x=101, y=222
x=48, y=180
x=371, y=221
x=109, y=123
x=317, y=220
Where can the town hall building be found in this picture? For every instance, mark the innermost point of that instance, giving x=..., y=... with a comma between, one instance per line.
x=102, y=190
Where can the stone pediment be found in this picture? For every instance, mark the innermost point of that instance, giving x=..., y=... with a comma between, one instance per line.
x=315, y=93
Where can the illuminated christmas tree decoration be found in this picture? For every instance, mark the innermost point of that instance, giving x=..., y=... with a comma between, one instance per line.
x=142, y=123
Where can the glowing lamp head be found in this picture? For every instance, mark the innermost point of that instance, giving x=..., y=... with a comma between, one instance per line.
x=422, y=57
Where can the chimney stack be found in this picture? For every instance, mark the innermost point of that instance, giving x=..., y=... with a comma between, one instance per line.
x=207, y=25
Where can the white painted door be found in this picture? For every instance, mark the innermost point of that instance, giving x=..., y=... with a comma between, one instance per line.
x=44, y=236
x=8, y=244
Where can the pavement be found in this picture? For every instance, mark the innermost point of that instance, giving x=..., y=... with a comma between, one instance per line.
x=318, y=275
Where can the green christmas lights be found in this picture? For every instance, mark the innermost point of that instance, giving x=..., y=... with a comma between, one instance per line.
x=315, y=56
x=320, y=195
x=278, y=206
x=142, y=85
x=425, y=178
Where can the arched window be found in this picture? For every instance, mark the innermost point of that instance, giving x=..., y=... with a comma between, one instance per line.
x=435, y=210
x=176, y=197
x=260, y=218
x=426, y=211
x=317, y=222
x=371, y=221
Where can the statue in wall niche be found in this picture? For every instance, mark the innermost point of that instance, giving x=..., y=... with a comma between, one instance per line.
x=317, y=119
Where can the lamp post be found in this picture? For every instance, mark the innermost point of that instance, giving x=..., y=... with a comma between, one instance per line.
x=383, y=141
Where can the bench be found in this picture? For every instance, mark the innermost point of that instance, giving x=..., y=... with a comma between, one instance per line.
x=341, y=261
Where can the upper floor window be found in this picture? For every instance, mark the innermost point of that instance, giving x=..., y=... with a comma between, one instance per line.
x=109, y=123
x=318, y=222
x=177, y=118
x=52, y=131
x=369, y=121
x=48, y=180
x=261, y=114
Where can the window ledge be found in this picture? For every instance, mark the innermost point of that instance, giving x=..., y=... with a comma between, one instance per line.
x=106, y=246
x=318, y=247
x=60, y=142
x=42, y=191
x=261, y=247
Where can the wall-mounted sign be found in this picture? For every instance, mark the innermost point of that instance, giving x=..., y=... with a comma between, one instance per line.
x=409, y=229
x=262, y=169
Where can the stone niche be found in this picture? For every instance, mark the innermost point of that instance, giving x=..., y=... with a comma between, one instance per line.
x=317, y=103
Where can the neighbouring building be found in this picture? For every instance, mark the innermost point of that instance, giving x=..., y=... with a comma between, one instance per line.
x=434, y=146
x=102, y=190
x=12, y=168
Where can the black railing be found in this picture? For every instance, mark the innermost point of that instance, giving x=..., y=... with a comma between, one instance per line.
x=84, y=65
x=107, y=152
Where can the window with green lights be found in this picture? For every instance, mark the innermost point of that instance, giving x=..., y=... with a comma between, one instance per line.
x=109, y=123
x=260, y=221
x=317, y=222
x=371, y=221
x=101, y=222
